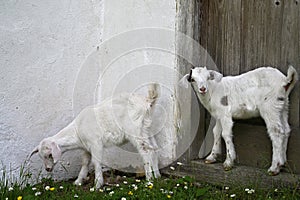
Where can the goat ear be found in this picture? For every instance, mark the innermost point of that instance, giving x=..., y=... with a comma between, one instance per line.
x=184, y=81
x=34, y=151
x=56, y=152
x=214, y=75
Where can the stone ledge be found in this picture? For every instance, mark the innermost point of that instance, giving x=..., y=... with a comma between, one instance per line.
x=238, y=176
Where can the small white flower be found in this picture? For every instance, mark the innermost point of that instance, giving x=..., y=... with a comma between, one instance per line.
x=185, y=187
x=251, y=191
x=61, y=187
x=117, y=185
x=226, y=188
x=135, y=187
x=247, y=189
x=75, y=196
x=138, y=180
x=276, y=190
x=47, y=187
x=111, y=193
x=100, y=190
x=232, y=195
x=179, y=163
x=172, y=168
x=123, y=198
x=92, y=189
x=37, y=194
x=33, y=189
x=125, y=182
x=108, y=189
x=10, y=189
x=6, y=198
x=171, y=192
x=177, y=184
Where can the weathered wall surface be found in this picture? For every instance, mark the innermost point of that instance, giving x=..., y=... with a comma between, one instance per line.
x=46, y=50
x=42, y=46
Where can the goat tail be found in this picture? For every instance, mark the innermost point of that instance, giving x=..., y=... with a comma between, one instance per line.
x=153, y=93
x=292, y=78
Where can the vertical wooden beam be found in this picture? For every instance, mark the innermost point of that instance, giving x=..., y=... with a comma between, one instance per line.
x=290, y=50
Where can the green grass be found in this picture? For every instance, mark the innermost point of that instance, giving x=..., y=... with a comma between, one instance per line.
x=129, y=187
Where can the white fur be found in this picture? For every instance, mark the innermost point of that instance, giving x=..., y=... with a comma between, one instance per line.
x=260, y=92
x=113, y=122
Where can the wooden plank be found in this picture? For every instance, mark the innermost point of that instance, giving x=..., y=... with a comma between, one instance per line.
x=253, y=34
x=273, y=19
x=188, y=23
x=231, y=36
x=218, y=32
x=204, y=28
x=210, y=32
x=290, y=51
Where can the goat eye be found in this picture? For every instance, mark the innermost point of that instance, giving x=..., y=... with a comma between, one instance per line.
x=192, y=80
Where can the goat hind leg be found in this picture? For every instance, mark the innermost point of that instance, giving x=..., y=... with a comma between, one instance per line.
x=278, y=141
x=287, y=130
x=96, y=160
x=150, y=159
x=274, y=120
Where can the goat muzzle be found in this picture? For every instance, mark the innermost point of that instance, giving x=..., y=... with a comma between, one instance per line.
x=202, y=90
x=49, y=169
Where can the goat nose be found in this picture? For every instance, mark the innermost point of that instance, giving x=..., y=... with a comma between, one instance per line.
x=48, y=169
x=202, y=89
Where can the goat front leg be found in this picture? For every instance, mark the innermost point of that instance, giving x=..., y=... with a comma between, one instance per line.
x=216, y=149
x=86, y=157
x=227, y=125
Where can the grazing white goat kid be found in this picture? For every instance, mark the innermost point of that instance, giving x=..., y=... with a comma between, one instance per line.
x=123, y=118
x=261, y=92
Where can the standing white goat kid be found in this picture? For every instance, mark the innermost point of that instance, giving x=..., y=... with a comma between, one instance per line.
x=124, y=118
x=261, y=92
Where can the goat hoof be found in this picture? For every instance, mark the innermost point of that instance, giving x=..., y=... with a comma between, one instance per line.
x=206, y=161
x=273, y=173
x=78, y=183
x=228, y=168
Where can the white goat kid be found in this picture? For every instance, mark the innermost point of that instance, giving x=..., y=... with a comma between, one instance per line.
x=113, y=122
x=261, y=92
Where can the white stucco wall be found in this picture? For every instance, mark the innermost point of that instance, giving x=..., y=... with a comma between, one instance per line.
x=51, y=54
x=42, y=46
